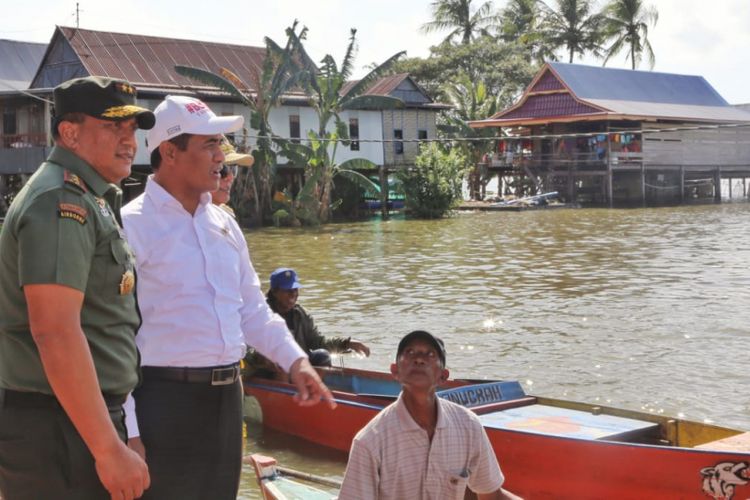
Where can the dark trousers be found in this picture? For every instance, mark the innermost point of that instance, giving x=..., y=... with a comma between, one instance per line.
x=192, y=433
x=42, y=456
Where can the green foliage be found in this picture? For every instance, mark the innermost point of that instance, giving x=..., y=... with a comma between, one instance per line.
x=572, y=25
x=326, y=84
x=503, y=67
x=457, y=16
x=433, y=186
x=626, y=24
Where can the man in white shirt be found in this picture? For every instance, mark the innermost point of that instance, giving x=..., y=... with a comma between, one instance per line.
x=201, y=303
x=422, y=446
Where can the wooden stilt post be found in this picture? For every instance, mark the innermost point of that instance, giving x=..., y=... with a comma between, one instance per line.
x=571, y=186
x=643, y=185
x=717, y=184
x=383, y=191
x=609, y=169
x=730, y=188
x=682, y=184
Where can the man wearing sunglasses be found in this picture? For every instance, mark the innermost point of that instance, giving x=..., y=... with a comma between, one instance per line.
x=228, y=172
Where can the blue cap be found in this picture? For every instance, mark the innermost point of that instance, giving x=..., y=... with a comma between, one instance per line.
x=284, y=278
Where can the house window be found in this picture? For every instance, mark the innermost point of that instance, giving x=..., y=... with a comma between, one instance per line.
x=294, y=128
x=422, y=135
x=9, y=122
x=354, y=133
x=398, y=146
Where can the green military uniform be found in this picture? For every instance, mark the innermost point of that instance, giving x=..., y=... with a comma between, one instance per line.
x=62, y=229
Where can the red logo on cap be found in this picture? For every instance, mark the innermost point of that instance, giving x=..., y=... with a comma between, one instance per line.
x=196, y=107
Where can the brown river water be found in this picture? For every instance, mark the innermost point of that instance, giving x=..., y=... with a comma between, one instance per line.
x=646, y=309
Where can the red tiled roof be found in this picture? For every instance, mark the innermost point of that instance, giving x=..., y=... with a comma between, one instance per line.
x=548, y=81
x=148, y=61
x=548, y=105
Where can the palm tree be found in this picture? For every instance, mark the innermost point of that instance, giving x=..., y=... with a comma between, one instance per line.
x=626, y=24
x=520, y=22
x=574, y=27
x=330, y=95
x=455, y=15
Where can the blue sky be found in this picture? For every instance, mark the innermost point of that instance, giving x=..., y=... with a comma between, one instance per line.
x=692, y=37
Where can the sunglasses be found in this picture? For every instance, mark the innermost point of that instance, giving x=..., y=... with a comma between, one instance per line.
x=227, y=169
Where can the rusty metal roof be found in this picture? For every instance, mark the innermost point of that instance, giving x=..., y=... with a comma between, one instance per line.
x=382, y=86
x=149, y=61
x=18, y=63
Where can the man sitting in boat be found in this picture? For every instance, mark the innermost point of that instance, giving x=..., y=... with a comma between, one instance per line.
x=422, y=446
x=282, y=297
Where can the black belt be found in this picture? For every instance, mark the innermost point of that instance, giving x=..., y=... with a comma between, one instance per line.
x=213, y=375
x=21, y=399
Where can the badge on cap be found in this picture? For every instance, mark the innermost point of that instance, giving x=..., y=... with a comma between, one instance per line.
x=72, y=211
x=127, y=283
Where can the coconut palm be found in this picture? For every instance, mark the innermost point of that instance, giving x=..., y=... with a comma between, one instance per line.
x=573, y=26
x=626, y=24
x=456, y=16
x=520, y=22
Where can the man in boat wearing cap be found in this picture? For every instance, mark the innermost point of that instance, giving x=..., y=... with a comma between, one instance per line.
x=201, y=303
x=282, y=297
x=67, y=307
x=422, y=446
x=228, y=172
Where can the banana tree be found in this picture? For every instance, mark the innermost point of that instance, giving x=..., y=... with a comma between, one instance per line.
x=470, y=101
x=304, y=208
x=331, y=93
x=261, y=94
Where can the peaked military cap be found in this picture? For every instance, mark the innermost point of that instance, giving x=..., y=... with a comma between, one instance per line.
x=103, y=98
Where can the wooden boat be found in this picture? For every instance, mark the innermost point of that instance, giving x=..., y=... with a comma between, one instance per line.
x=278, y=483
x=547, y=448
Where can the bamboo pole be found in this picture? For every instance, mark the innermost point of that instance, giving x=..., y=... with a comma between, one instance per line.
x=313, y=478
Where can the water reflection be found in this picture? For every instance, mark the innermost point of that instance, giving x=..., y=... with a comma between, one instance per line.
x=640, y=308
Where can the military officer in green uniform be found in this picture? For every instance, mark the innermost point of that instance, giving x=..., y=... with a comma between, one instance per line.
x=67, y=309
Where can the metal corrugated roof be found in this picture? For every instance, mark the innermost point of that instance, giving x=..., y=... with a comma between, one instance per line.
x=619, y=94
x=149, y=61
x=595, y=82
x=18, y=63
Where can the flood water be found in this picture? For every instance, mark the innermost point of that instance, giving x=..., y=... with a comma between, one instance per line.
x=646, y=309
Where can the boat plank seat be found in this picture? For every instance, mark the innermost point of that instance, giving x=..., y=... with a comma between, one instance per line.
x=544, y=419
x=738, y=442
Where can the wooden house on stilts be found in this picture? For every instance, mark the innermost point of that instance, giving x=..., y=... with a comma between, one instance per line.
x=613, y=136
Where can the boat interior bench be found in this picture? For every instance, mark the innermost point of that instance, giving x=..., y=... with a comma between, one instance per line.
x=738, y=442
x=504, y=405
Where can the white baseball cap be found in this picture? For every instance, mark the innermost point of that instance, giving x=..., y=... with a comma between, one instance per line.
x=177, y=115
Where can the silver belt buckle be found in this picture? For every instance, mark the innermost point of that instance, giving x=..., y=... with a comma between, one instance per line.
x=224, y=376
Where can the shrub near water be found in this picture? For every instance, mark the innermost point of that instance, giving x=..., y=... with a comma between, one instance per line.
x=433, y=186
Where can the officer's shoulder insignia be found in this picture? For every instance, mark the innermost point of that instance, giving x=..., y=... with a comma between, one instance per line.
x=72, y=211
x=72, y=179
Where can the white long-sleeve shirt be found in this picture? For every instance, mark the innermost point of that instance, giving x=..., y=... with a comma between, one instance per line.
x=199, y=296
